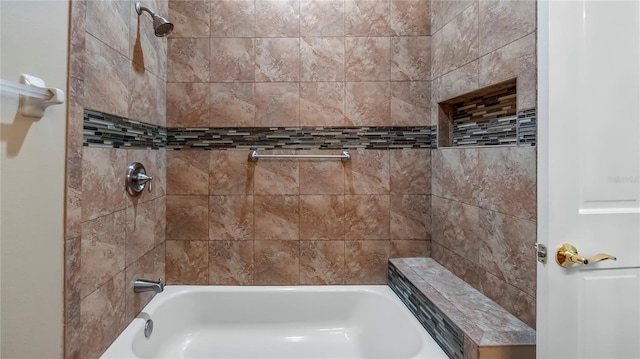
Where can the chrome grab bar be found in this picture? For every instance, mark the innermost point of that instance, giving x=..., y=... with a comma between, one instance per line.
x=345, y=156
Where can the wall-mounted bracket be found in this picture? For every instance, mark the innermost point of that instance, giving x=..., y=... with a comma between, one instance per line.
x=34, y=97
x=34, y=106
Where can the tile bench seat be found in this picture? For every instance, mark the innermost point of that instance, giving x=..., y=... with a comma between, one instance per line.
x=465, y=323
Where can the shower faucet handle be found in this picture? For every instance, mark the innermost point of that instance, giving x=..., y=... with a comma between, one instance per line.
x=137, y=179
x=143, y=179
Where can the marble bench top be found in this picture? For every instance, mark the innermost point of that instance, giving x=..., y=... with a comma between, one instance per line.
x=481, y=319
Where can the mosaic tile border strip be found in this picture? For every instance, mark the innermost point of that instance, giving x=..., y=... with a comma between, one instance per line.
x=301, y=138
x=527, y=127
x=105, y=130
x=444, y=332
x=110, y=131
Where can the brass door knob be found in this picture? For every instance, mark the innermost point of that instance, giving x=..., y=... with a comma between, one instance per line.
x=567, y=255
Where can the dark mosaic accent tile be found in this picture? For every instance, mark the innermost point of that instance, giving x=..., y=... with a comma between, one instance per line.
x=483, y=108
x=500, y=131
x=301, y=138
x=489, y=117
x=444, y=332
x=486, y=119
x=527, y=127
x=513, y=130
x=110, y=131
x=105, y=130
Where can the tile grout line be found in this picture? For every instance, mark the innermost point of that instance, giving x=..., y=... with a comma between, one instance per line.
x=478, y=266
x=253, y=209
x=344, y=215
x=486, y=209
x=482, y=56
x=299, y=220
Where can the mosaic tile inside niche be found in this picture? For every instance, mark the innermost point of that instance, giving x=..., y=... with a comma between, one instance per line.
x=495, y=132
x=486, y=117
x=513, y=130
x=105, y=130
x=491, y=104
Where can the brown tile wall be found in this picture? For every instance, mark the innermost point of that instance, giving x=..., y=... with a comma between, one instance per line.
x=276, y=222
x=119, y=67
x=484, y=222
x=484, y=199
x=299, y=63
x=315, y=63
x=296, y=63
x=480, y=43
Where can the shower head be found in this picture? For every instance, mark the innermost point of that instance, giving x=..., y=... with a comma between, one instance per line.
x=161, y=26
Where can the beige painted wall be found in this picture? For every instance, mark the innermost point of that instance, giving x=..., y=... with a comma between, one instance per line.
x=33, y=40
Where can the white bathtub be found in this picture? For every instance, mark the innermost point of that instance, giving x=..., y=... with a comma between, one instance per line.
x=276, y=322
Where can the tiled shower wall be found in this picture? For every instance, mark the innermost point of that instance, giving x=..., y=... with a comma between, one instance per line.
x=296, y=63
x=480, y=43
x=117, y=67
x=292, y=63
x=353, y=63
x=484, y=199
x=230, y=221
x=484, y=222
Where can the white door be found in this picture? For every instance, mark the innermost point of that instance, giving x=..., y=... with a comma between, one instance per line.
x=589, y=171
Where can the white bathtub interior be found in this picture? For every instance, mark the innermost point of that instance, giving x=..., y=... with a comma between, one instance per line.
x=276, y=322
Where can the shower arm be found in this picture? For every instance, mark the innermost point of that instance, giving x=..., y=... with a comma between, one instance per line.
x=140, y=9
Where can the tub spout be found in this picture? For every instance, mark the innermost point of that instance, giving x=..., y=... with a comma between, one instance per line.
x=145, y=285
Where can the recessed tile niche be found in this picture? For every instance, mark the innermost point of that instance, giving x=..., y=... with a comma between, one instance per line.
x=486, y=117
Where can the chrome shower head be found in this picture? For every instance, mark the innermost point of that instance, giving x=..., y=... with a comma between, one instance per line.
x=161, y=26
